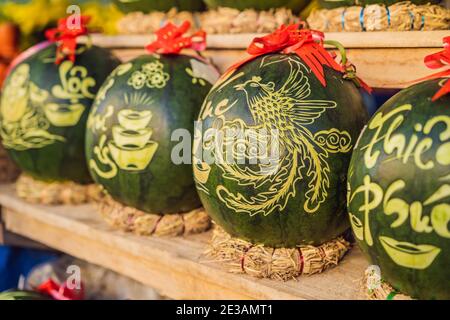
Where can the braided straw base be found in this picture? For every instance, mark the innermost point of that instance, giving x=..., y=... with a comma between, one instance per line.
x=381, y=289
x=222, y=20
x=55, y=193
x=146, y=224
x=274, y=263
x=402, y=16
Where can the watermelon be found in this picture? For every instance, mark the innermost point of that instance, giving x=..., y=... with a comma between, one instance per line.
x=330, y=4
x=44, y=108
x=293, y=192
x=295, y=5
x=132, y=133
x=399, y=191
x=22, y=295
x=159, y=5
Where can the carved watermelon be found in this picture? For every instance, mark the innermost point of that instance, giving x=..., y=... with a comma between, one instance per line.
x=289, y=190
x=159, y=5
x=399, y=191
x=134, y=127
x=44, y=108
x=22, y=295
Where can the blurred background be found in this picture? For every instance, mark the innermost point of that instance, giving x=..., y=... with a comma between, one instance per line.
x=23, y=22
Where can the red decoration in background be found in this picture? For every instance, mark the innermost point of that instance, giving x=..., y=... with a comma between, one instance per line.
x=9, y=47
x=60, y=292
x=436, y=61
x=66, y=36
x=307, y=44
x=170, y=39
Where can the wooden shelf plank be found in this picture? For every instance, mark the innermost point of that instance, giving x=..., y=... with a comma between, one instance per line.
x=390, y=39
x=176, y=267
x=383, y=59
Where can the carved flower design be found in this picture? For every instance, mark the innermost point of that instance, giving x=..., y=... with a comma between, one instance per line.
x=137, y=80
x=158, y=80
x=152, y=67
x=151, y=75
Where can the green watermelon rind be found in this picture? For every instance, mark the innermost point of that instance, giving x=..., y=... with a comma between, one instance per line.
x=61, y=161
x=291, y=226
x=162, y=187
x=431, y=282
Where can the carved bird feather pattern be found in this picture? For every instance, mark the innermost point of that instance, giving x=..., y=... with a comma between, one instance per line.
x=287, y=110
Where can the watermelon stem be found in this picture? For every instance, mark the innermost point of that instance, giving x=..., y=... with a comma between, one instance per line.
x=340, y=48
x=349, y=68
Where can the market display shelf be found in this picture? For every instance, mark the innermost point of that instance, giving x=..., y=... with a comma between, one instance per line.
x=176, y=267
x=381, y=39
x=383, y=59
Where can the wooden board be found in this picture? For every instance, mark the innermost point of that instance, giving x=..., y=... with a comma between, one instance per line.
x=391, y=39
x=176, y=267
x=382, y=59
x=8, y=238
x=15, y=240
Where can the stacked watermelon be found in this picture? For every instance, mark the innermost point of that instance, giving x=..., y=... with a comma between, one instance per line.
x=44, y=108
x=22, y=295
x=279, y=143
x=141, y=119
x=399, y=191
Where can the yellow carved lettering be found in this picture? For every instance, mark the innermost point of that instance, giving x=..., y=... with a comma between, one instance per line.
x=444, y=135
x=440, y=217
x=398, y=206
x=443, y=154
x=207, y=111
x=419, y=223
x=223, y=107
x=422, y=147
x=394, y=141
x=369, y=204
x=409, y=150
x=371, y=156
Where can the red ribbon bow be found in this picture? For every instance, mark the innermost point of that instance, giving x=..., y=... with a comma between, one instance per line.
x=436, y=61
x=170, y=39
x=65, y=34
x=60, y=292
x=307, y=44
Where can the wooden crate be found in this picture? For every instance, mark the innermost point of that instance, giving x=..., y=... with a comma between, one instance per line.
x=176, y=267
x=382, y=59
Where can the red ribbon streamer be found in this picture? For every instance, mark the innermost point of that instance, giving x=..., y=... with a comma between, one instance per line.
x=170, y=39
x=60, y=292
x=66, y=36
x=364, y=85
x=436, y=61
x=307, y=44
